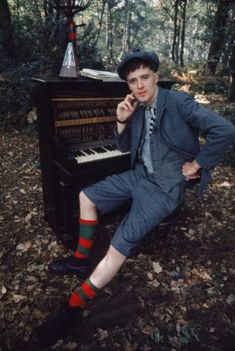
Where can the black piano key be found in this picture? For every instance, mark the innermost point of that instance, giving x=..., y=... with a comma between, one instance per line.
x=97, y=149
x=88, y=151
x=91, y=151
x=110, y=147
x=102, y=149
x=80, y=153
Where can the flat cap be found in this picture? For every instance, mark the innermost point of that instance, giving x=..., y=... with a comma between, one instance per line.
x=149, y=57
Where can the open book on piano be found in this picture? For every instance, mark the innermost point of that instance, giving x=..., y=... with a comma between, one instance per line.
x=105, y=76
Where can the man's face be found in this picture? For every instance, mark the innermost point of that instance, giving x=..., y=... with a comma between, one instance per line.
x=142, y=82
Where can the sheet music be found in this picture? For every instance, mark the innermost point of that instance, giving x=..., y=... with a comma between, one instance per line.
x=101, y=75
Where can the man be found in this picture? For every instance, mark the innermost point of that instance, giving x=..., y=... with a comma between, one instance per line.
x=160, y=127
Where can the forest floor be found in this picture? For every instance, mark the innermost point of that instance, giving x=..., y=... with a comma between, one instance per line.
x=180, y=300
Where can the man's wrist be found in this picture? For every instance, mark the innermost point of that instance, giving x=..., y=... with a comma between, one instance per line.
x=121, y=122
x=196, y=165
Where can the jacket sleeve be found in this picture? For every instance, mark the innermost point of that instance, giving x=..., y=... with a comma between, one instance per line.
x=123, y=140
x=219, y=132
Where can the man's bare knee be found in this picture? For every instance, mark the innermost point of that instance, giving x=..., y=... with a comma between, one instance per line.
x=85, y=202
x=112, y=252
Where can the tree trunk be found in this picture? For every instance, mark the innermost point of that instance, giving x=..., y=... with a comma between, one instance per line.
x=126, y=29
x=179, y=21
x=175, y=35
x=182, y=37
x=48, y=10
x=100, y=22
x=232, y=76
x=109, y=29
x=6, y=33
x=177, y=44
x=218, y=34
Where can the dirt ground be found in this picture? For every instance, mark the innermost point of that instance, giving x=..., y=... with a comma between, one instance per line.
x=181, y=298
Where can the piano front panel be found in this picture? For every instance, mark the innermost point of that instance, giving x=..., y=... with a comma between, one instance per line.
x=76, y=119
x=85, y=127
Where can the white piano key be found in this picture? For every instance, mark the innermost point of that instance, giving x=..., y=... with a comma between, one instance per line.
x=98, y=155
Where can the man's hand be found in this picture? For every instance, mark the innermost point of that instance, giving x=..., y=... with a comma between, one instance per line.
x=190, y=170
x=126, y=107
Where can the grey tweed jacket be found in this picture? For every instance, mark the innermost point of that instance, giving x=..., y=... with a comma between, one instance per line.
x=180, y=119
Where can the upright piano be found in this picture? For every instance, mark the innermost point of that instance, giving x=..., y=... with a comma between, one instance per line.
x=76, y=118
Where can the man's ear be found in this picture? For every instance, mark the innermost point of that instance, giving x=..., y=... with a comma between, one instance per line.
x=157, y=76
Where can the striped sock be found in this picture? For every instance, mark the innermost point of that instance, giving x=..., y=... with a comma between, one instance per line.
x=85, y=292
x=86, y=236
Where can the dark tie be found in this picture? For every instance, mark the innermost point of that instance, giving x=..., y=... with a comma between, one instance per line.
x=152, y=119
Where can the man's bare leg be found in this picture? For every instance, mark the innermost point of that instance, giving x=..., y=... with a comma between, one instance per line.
x=108, y=267
x=113, y=260
x=87, y=207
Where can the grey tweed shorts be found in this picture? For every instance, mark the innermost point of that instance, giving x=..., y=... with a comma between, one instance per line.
x=149, y=204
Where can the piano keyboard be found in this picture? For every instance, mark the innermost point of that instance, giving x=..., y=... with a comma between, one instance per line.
x=97, y=153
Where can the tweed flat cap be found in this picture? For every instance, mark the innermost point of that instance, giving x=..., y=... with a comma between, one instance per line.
x=148, y=56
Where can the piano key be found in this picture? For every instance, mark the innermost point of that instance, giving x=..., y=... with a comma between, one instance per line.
x=80, y=153
x=88, y=152
x=100, y=153
x=110, y=147
x=92, y=152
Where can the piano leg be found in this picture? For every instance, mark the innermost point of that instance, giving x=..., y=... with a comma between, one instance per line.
x=67, y=215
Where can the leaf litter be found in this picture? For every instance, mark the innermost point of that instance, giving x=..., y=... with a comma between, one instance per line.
x=179, y=298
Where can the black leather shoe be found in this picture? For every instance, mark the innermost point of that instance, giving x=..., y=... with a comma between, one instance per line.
x=56, y=326
x=71, y=264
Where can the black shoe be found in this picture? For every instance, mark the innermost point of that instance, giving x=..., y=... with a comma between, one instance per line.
x=56, y=326
x=71, y=264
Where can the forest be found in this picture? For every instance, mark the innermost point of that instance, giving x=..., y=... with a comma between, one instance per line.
x=196, y=36
x=173, y=294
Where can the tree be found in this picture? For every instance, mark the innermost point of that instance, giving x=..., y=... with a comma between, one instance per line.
x=110, y=6
x=182, y=36
x=126, y=28
x=6, y=32
x=232, y=57
x=232, y=75
x=218, y=34
x=177, y=13
x=100, y=13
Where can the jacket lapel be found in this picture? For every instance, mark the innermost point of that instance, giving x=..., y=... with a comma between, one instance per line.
x=139, y=123
x=161, y=102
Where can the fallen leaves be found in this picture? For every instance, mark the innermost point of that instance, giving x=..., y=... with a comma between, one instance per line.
x=103, y=334
x=154, y=283
x=201, y=273
x=183, y=295
x=157, y=267
x=3, y=291
x=17, y=298
x=230, y=299
x=23, y=247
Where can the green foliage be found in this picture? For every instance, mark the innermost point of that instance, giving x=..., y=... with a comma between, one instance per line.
x=88, y=54
x=32, y=58
x=15, y=89
x=112, y=28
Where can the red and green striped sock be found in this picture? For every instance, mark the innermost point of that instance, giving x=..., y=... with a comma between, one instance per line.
x=85, y=292
x=86, y=237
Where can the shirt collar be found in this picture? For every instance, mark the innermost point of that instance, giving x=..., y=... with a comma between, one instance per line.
x=148, y=107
